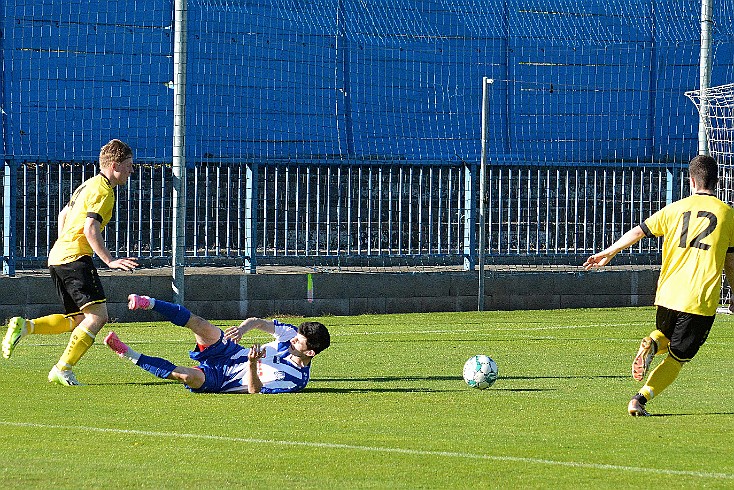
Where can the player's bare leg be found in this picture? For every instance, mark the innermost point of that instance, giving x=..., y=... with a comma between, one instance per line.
x=191, y=377
x=204, y=332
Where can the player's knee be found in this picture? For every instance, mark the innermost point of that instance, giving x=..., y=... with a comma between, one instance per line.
x=101, y=320
x=194, y=379
x=76, y=320
x=94, y=323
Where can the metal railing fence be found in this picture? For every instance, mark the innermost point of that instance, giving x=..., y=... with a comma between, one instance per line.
x=357, y=214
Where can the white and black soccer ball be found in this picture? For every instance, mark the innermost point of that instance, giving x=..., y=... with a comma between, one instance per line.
x=480, y=372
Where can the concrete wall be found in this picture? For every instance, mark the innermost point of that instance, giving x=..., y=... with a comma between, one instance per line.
x=233, y=295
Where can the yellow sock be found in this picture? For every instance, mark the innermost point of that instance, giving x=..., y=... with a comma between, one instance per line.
x=51, y=324
x=661, y=377
x=81, y=340
x=661, y=340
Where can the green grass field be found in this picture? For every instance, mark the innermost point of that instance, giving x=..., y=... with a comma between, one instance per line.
x=386, y=408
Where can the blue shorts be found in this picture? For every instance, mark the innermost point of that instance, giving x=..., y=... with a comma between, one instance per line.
x=217, y=362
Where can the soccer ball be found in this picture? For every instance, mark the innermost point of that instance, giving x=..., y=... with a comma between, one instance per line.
x=480, y=372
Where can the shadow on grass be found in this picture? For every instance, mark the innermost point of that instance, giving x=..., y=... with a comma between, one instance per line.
x=581, y=376
x=138, y=383
x=396, y=379
x=379, y=390
x=689, y=414
x=387, y=379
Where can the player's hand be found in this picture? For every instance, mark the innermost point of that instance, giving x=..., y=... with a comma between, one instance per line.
x=256, y=352
x=126, y=264
x=233, y=333
x=236, y=333
x=597, y=260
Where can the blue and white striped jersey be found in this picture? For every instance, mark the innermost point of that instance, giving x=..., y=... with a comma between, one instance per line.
x=225, y=365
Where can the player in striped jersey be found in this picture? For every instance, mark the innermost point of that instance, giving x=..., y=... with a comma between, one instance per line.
x=281, y=366
x=698, y=243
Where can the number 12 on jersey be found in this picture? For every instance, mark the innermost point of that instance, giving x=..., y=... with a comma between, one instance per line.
x=697, y=240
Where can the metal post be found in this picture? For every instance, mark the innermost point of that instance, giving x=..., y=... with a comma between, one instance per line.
x=707, y=10
x=179, y=150
x=470, y=210
x=10, y=186
x=10, y=177
x=486, y=83
x=252, y=175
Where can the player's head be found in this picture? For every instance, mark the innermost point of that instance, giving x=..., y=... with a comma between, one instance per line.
x=114, y=152
x=317, y=336
x=704, y=172
x=116, y=162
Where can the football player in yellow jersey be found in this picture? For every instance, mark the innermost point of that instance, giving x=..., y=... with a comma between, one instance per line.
x=698, y=242
x=70, y=262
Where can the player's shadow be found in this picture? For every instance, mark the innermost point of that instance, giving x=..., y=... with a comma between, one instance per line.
x=397, y=379
x=377, y=390
x=139, y=383
x=580, y=376
x=383, y=379
x=384, y=389
x=689, y=414
x=389, y=379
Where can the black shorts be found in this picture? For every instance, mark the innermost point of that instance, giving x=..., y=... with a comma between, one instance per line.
x=685, y=331
x=77, y=284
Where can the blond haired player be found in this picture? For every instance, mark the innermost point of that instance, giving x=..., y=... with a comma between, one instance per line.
x=698, y=242
x=70, y=263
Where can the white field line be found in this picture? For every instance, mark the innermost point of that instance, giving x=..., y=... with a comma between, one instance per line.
x=378, y=449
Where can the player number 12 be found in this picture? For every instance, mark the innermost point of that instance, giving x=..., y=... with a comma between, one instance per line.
x=696, y=242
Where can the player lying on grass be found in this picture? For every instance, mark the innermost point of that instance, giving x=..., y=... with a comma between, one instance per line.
x=281, y=366
x=698, y=243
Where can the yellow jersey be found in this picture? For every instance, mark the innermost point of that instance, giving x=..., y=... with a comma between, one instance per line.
x=94, y=198
x=697, y=232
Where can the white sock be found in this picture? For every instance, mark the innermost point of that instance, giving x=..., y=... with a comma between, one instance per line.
x=131, y=355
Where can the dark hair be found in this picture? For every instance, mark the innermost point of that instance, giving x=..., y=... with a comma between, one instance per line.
x=704, y=171
x=317, y=336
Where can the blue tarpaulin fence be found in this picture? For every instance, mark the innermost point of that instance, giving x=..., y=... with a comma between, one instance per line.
x=350, y=83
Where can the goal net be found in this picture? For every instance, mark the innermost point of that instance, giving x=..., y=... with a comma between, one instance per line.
x=716, y=109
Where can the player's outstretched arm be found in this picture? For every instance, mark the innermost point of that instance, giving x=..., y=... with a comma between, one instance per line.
x=93, y=232
x=236, y=333
x=605, y=256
